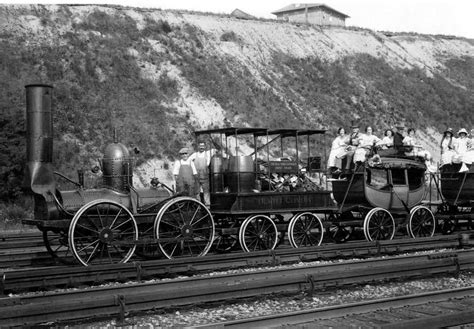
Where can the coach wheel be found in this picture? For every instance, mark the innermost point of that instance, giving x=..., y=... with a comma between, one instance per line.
x=340, y=233
x=103, y=232
x=379, y=225
x=421, y=222
x=184, y=228
x=305, y=230
x=226, y=235
x=56, y=243
x=449, y=225
x=258, y=232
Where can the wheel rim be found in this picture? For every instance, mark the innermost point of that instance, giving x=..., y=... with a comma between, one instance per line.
x=340, y=233
x=258, y=232
x=184, y=228
x=103, y=232
x=421, y=223
x=305, y=229
x=57, y=245
x=225, y=240
x=379, y=225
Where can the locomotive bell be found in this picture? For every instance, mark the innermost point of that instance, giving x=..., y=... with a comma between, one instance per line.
x=117, y=167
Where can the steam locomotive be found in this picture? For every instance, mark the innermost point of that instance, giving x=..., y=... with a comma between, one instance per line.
x=107, y=224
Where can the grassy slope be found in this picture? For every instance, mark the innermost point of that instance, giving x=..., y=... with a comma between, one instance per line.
x=99, y=86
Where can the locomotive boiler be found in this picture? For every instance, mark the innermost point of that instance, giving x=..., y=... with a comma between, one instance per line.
x=110, y=223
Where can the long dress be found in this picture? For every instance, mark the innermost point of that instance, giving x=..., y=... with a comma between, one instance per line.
x=447, y=150
x=338, y=151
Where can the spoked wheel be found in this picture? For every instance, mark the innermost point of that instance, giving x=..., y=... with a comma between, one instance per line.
x=103, y=232
x=379, y=225
x=57, y=245
x=305, y=230
x=184, y=227
x=421, y=222
x=258, y=232
x=226, y=235
x=449, y=225
x=340, y=233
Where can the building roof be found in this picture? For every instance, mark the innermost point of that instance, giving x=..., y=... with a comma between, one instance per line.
x=241, y=14
x=303, y=6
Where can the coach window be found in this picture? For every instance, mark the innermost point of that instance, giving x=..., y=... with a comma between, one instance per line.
x=377, y=178
x=415, y=178
x=398, y=177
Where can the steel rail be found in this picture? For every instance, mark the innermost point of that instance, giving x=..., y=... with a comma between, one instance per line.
x=47, y=278
x=312, y=316
x=134, y=297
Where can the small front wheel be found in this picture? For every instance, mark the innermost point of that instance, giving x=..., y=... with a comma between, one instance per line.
x=258, y=232
x=305, y=230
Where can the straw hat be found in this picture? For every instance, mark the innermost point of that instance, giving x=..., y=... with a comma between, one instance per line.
x=449, y=130
x=462, y=131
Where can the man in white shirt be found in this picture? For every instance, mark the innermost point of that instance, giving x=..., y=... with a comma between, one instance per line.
x=201, y=160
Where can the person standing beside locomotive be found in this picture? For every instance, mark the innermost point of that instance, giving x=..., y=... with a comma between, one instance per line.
x=185, y=175
x=202, y=160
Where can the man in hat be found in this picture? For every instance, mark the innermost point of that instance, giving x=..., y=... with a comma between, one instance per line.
x=185, y=174
x=398, y=136
x=201, y=160
x=354, y=140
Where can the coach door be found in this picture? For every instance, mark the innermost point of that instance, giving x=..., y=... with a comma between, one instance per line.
x=399, y=190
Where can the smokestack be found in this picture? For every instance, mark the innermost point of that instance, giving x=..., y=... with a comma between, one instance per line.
x=39, y=175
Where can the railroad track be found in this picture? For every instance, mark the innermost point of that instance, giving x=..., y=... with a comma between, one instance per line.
x=31, y=279
x=438, y=309
x=31, y=309
x=23, y=250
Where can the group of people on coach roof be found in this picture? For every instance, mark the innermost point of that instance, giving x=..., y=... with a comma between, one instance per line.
x=356, y=146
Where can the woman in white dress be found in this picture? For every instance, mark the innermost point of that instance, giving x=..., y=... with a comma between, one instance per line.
x=387, y=140
x=447, y=146
x=366, y=142
x=468, y=156
x=338, y=150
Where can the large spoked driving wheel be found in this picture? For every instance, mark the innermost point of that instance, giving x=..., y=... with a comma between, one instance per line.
x=258, y=232
x=421, y=222
x=103, y=232
x=305, y=230
x=184, y=228
x=379, y=225
x=56, y=243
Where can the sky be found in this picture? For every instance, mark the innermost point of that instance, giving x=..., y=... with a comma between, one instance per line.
x=448, y=17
